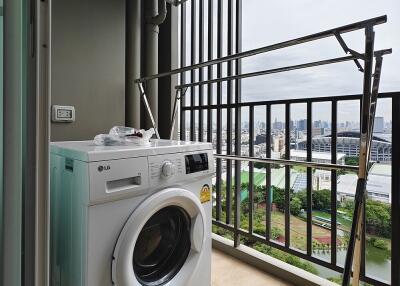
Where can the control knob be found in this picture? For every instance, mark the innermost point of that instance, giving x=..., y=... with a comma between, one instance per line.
x=168, y=169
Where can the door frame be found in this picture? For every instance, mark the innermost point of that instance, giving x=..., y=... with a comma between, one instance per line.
x=26, y=113
x=42, y=149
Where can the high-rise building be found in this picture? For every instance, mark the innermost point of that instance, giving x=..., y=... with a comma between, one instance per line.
x=379, y=125
x=318, y=131
x=302, y=125
x=261, y=138
x=278, y=125
x=278, y=144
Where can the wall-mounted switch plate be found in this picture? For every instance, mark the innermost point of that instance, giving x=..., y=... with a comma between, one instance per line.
x=61, y=113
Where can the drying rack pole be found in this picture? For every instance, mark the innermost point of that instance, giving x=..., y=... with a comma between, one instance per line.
x=147, y=106
x=179, y=96
x=355, y=261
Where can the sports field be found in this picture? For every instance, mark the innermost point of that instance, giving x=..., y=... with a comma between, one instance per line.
x=259, y=178
x=277, y=177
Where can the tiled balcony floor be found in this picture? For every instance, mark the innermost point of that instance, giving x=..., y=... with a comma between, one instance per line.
x=227, y=270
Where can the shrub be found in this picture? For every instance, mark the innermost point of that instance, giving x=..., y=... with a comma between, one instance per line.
x=259, y=229
x=276, y=233
x=381, y=244
x=285, y=257
x=337, y=280
x=321, y=199
x=295, y=206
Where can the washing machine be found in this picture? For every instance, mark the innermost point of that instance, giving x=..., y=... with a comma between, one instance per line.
x=131, y=215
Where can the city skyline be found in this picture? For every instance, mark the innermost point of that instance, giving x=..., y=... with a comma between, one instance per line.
x=332, y=80
x=347, y=111
x=338, y=79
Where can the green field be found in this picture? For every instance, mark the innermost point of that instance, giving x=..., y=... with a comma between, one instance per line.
x=259, y=178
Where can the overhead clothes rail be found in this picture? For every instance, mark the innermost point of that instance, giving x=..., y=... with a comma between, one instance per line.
x=371, y=68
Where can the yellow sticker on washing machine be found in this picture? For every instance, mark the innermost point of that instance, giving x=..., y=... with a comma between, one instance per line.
x=205, y=194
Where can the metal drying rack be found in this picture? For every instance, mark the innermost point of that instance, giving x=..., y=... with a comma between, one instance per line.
x=371, y=81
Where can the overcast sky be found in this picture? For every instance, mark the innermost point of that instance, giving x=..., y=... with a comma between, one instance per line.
x=268, y=22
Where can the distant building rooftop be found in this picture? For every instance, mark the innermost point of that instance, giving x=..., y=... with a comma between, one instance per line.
x=378, y=187
x=381, y=170
x=326, y=156
x=355, y=134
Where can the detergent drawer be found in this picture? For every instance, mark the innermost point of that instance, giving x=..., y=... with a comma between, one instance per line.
x=118, y=178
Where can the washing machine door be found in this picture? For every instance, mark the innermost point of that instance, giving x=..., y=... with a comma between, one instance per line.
x=161, y=242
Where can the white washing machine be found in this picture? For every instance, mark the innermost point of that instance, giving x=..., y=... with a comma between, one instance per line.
x=131, y=216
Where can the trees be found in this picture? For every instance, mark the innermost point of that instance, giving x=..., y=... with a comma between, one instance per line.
x=321, y=200
x=259, y=165
x=354, y=161
x=278, y=197
x=378, y=218
x=302, y=196
x=351, y=160
x=295, y=206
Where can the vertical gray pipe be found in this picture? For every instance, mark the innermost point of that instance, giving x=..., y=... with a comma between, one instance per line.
x=133, y=62
x=156, y=12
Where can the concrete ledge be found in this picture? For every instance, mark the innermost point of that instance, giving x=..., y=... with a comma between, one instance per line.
x=269, y=264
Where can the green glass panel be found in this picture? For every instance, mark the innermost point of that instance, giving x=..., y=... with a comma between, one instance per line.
x=12, y=136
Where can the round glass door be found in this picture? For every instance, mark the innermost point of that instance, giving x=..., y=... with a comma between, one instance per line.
x=162, y=247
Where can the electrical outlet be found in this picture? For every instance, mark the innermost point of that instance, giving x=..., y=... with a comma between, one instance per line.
x=63, y=113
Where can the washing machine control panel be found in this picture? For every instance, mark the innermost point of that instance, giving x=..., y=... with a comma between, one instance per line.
x=164, y=167
x=179, y=166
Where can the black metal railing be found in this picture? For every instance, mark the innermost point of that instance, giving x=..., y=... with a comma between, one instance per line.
x=206, y=102
x=223, y=215
x=197, y=108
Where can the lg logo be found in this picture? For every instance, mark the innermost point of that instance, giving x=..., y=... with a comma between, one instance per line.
x=103, y=168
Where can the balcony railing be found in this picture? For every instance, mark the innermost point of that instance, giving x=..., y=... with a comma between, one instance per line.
x=228, y=208
x=228, y=214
